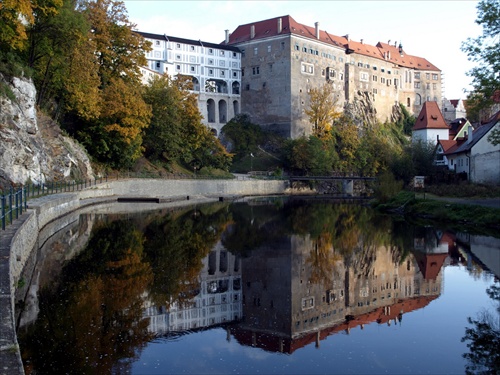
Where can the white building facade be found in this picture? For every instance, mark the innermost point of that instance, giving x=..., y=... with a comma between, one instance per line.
x=215, y=70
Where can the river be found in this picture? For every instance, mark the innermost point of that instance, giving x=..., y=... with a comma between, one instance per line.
x=262, y=286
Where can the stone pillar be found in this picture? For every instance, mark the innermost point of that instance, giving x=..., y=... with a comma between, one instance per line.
x=348, y=187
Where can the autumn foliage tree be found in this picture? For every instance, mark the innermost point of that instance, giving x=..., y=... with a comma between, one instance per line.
x=322, y=110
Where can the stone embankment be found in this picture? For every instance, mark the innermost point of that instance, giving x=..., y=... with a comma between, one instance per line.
x=21, y=238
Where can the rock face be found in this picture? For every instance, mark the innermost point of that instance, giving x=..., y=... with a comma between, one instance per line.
x=32, y=146
x=362, y=110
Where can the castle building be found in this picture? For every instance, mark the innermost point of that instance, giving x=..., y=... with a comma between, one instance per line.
x=214, y=68
x=281, y=60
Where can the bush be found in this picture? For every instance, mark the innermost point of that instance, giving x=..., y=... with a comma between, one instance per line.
x=387, y=187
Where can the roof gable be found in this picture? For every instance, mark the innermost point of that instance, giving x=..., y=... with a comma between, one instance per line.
x=430, y=117
x=479, y=133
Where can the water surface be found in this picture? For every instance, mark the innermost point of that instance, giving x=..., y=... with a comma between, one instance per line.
x=267, y=286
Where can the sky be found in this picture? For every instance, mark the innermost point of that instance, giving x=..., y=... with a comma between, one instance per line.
x=431, y=29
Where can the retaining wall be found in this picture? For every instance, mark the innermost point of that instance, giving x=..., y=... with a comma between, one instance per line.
x=21, y=238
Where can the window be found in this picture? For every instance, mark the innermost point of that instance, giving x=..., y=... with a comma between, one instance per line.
x=382, y=70
x=374, y=78
x=417, y=75
x=255, y=70
x=374, y=91
x=157, y=42
x=396, y=81
x=235, y=75
x=178, y=46
x=363, y=76
x=210, y=61
x=255, y=50
x=417, y=85
x=222, y=73
x=269, y=48
x=382, y=80
x=270, y=67
x=427, y=76
x=388, y=72
x=178, y=57
x=242, y=72
x=192, y=69
x=210, y=51
x=297, y=48
x=434, y=86
x=307, y=68
x=341, y=59
x=435, y=77
x=242, y=53
x=282, y=46
x=374, y=68
x=192, y=48
x=360, y=64
x=158, y=65
x=210, y=72
x=222, y=53
x=341, y=76
x=428, y=86
x=178, y=67
x=234, y=54
x=304, y=49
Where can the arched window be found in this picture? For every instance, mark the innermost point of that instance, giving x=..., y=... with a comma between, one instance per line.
x=408, y=102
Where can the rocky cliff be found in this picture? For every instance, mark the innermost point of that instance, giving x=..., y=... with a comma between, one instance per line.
x=32, y=146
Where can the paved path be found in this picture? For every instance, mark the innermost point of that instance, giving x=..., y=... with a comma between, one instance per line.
x=485, y=202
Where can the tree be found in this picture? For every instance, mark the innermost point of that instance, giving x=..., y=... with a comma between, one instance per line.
x=494, y=137
x=485, y=51
x=17, y=15
x=322, y=110
x=110, y=121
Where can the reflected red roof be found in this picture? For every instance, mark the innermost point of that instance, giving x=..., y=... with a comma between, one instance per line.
x=285, y=344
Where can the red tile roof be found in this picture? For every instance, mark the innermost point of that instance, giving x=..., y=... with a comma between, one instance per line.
x=269, y=28
x=447, y=144
x=430, y=117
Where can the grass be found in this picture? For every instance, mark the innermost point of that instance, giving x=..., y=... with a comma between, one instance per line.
x=471, y=218
x=261, y=161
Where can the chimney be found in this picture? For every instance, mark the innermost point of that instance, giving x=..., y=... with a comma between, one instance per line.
x=361, y=40
x=280, y=25
x=347, y=37
x=252, y=31
x=316, y=24
x=469, y=132
x=388, y=55
x=227, y=36
x=389, y=42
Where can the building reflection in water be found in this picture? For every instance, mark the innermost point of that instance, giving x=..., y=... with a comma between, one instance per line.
x=218, y=301
x=276, y=302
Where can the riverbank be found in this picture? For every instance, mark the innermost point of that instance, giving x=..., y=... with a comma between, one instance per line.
x=472, y=214
x=21, y=237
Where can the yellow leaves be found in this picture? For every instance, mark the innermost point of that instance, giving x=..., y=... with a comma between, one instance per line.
x=16, y=15
x=124, y=108
x=322, y=110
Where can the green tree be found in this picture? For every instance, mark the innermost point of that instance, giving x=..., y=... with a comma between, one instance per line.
x=244, y=136
x=309, y=156
x=162, y=140
x=485, y=51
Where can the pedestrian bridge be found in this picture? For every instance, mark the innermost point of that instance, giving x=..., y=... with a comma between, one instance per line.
x=346, y=179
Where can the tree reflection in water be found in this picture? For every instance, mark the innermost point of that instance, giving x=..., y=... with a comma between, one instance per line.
x=483, y=339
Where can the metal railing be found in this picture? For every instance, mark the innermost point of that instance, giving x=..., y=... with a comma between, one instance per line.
x=14, y=202
x=12, y=205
